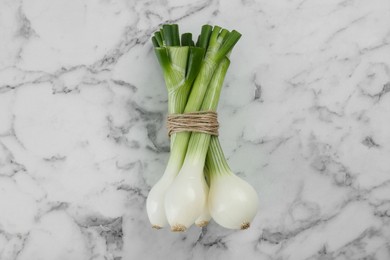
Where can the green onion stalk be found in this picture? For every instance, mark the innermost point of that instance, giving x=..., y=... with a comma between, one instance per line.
x=180, y=63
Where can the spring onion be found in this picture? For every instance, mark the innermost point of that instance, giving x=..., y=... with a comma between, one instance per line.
x=194, y=75
x=232, y=201
x=180, y=66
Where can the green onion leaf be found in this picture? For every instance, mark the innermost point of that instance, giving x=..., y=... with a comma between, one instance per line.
x=159, y=38
x=168, y=34
x=155, y=42
x=175, y=35
x=186, y=39
x=204, y=36
x=194, y=62
x=228, y=44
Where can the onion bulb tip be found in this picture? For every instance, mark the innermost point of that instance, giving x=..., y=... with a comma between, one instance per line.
x=178, y=228
x=202, y=223
x=245, y=225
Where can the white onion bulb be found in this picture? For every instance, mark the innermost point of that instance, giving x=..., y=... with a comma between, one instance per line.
x=155, y=202
x=233, y=203
x=186, y=197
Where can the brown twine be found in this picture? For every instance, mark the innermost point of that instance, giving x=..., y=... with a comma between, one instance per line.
x=202, y=122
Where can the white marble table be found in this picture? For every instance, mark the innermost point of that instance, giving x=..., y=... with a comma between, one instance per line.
x=305, y=117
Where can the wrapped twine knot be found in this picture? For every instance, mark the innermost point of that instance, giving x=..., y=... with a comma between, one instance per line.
x=202, y=122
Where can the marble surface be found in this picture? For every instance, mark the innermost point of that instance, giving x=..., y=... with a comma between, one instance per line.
x=305, y=117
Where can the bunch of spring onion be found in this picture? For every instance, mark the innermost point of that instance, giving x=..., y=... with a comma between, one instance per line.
x=197, y=184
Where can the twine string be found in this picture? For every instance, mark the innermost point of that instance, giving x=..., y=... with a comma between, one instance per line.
x=201, y=122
